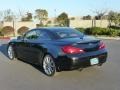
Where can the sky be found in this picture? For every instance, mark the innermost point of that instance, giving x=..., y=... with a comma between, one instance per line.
x=55, y=7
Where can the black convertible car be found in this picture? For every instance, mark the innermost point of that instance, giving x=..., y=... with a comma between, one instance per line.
x=57, y=49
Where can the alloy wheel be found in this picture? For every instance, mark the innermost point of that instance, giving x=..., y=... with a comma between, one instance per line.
x=10, y=52
x=49, y=65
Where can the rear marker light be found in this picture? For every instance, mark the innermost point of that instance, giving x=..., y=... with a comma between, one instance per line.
x=102, y=45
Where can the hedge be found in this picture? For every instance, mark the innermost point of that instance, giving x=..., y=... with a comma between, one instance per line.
x=100, y=31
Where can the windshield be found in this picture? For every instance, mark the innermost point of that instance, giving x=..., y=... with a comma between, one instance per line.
x=68, y=33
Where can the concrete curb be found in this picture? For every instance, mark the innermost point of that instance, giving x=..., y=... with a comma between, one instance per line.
x=4, y=38
x=109, y=38
x=8, y=38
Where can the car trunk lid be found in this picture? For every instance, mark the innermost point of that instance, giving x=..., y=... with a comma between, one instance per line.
x=87, y=43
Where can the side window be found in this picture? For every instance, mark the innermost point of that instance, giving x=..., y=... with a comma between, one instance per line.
x=43, y=34
x=31, y=35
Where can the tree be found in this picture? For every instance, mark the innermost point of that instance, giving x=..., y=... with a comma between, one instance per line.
x=41, y=15
x=100, y=15
x=63, y=19
x=119, y=19
x=8, y=15
x=111, y=17
x=88, y=17
x=72, y=18
x=28, y=17
x=114, y=17
x=1, y=16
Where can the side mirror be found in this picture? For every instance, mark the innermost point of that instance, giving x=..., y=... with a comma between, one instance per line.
x=19, y=38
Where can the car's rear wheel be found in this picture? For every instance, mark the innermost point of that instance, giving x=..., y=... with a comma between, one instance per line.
x=49, y=65
x=10, y=52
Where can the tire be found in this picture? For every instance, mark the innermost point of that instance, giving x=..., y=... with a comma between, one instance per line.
x=100, y=64
x=10, y=52
x=49, y=65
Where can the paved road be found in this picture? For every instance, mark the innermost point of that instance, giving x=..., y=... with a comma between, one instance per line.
x=17, y=75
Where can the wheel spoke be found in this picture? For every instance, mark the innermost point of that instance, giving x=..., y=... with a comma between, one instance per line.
x=49, y=70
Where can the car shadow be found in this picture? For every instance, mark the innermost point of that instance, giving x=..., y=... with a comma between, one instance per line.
x=38, y=67
x=3, y=50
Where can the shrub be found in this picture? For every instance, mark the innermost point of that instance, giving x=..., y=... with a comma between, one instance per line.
x=1, y=34
x=7, y=31
x=114, y=27
x=119, y=33
x=96, y=31
x=114, y=32
x=81, y=30
x=100, y=31
x=40, y=25
x=22, y=30
x=88, y=31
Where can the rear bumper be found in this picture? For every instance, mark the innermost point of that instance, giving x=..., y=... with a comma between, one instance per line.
x=71, y=62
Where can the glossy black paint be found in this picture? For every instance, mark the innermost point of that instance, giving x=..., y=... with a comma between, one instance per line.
x=34, y=50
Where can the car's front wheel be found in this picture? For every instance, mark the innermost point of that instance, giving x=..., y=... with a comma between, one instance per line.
x=10, y=52
x=49, y=65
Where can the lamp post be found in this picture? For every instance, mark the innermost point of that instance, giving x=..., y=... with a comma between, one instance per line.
x=14, y=25
x=55, y=18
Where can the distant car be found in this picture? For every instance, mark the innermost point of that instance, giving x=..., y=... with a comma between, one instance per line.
x=58, y=49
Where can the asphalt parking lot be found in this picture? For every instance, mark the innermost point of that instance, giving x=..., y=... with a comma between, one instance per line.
x=18, y=75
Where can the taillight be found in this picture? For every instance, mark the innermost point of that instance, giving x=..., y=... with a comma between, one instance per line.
x=72, y=50
x=102, y=45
